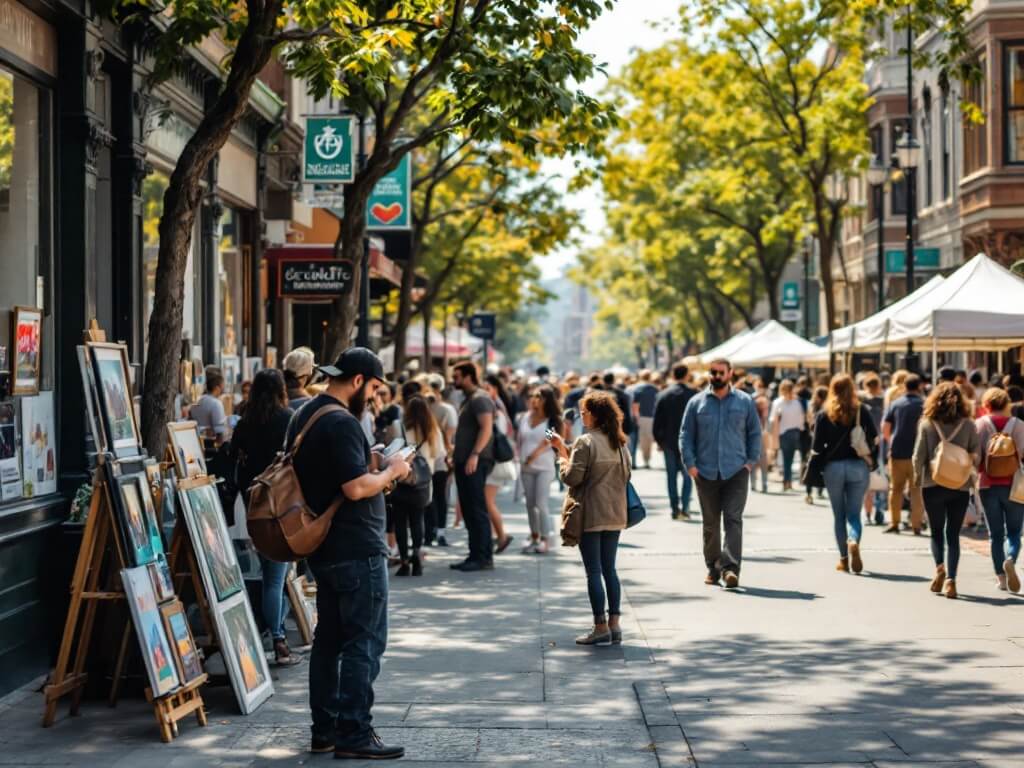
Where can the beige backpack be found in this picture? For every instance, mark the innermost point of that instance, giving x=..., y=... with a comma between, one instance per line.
x=951, y=465
x=1001, y=457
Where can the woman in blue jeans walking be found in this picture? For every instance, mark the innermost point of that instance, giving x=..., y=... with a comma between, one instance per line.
x=596, y=471
x=844, y=441
x=788, y=420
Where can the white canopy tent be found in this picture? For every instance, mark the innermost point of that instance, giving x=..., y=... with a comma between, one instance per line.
x=730, y=345
x=773, y=344
x=869, y=334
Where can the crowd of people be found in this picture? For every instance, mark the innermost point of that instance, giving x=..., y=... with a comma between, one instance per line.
x=950, y=454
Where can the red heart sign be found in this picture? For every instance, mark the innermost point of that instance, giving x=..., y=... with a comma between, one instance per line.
x=386, y=213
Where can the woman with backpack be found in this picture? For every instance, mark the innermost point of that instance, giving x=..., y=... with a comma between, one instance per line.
x=407, y=499
x=844, y=447
x=1001, y=437
x=538, y=463
x=945, y=455
x=256, y=441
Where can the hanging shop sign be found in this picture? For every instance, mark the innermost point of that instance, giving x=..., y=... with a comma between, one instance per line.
x=331, y=196
x=483, y=325
x=314, y=278
x=790, y=295
x=327, y=155
x=389, y=205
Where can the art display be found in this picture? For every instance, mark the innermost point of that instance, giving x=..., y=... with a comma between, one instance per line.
x=208, y=531
x=243, y=653
x=302, y=597
x=26, y=346
x=10, y=469
x=113, y=383
x=139, y=522
x=91, y=395
x=187, y=447
x=230, y=366
x=38, y=445
x=186, y=655
x=253, y=365
x=149, y=628
x=160, y=575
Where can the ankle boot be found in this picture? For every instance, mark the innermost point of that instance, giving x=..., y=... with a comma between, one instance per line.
x=939, y=579
x=843, y=565
x=403, y=569
x=417, y=565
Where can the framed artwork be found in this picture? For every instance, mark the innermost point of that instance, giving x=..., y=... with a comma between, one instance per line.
x=271, y=357
x=303, y=606
x=186, y=655
x=230, y=366
x=141, y=527
x=188, y=449
x=156, y=482
x=149, y=628
x=160, y=575
x=10, y=468
x=26, y=343
x=207, y=528
x=113, y=383
x=92, y=406
x=243, y=653
x=253, y=365
x=38, y=445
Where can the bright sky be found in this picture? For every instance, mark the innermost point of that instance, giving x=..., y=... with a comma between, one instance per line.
x=611, y=39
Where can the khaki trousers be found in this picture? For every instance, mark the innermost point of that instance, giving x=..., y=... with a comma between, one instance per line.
x=901, y=474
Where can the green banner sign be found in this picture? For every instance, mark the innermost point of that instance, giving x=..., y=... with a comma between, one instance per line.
x=327, y=155
x=791, y=296
x=924, y=258
x=390, y=202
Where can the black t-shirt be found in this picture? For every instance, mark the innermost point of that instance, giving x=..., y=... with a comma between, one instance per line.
x=832, y=440
x=468, y=428
x=256, y=445
x=904, y=413
x=333, y=452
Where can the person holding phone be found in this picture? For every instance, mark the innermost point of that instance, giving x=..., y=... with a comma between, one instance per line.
x=538, y=425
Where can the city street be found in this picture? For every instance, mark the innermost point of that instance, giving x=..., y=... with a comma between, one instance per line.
x=801, y=666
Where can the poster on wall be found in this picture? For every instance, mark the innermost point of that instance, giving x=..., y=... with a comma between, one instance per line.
x=38, y=445
x=26, y=343
x=10, y=470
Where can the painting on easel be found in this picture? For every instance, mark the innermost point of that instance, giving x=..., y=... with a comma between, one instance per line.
x=149, y=628
x=208, y=531
x=187, y=448
x=114, y=390
x=186, y=655
x=139, y=523
x=243, y=653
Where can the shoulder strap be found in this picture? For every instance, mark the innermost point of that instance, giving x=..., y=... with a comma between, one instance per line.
x=325, y=409
x=1007, y=427
x=938, y=429
x=957, y=430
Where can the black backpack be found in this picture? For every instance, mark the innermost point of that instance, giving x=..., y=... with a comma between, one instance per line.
x=417, y=489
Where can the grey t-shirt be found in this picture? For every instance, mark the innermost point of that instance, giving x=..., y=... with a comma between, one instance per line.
x=208, y=413
x=468, y=427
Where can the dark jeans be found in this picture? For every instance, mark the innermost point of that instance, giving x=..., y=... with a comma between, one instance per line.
x=406, y=519
x=722, y=501
x=273, y=603
x=598, y=550
x=1005, y=519
x=673, y=468
x=946, y=510
x=436, y=515
x=789, y=442
x=474, y=510
x=351, y=635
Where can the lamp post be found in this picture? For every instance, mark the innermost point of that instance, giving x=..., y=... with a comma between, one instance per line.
x=908, y=151
x=879, y=175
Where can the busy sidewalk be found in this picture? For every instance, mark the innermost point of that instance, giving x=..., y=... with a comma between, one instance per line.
x=801, y=665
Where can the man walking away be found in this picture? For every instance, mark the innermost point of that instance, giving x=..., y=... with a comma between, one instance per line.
x=720, y=443
x=900, y=432
x=645, y=396
x=350, y=565
x=668, y=420
x=623, y=400
x=474, y=458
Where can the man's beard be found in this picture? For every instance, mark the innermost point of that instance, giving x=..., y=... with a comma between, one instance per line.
x=357, y=403
x=719, y=383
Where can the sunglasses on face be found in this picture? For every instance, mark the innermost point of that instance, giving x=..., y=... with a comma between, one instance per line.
x=719, y=374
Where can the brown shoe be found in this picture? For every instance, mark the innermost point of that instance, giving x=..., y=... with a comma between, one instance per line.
x=843, y=565
x=1012, y=579
x=283, y=655
x=732, y=580
x=894, y=528
x=937, y=581
x=711, y=579
x=950, y=590
x=856, y=564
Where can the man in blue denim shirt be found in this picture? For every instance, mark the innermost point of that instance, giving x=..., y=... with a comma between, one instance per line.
x=720, y=441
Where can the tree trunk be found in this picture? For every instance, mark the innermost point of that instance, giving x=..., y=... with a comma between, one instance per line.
x=405, y=305
x=349, y=246
x=826, y=244
x=427, y=311
x=181, y=201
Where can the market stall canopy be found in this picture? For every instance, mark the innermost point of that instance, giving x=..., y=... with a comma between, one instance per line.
x=978, y=307
x=727, y=347
x=460, y=345
x=869, y=333
x=773, y=344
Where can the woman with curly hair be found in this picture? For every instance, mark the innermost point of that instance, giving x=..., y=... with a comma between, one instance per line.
x=946, y=417
x=596, y=472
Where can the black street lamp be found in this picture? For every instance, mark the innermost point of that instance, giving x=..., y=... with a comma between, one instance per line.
x=908, y=151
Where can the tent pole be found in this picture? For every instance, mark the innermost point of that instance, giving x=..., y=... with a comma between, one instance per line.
x=1001, y=362
x=935, y=355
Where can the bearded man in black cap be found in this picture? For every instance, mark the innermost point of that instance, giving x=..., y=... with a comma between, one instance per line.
x=350, y=566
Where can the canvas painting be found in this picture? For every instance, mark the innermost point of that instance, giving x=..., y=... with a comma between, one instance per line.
x=253, y=365
x=110, y=365
x=303, y=602
x=138, y=544
x=91, y=399
x=188, y=449
x=39, y=445
x=243, y=653
x=230, y=366
x=160, y=575
x=27, y=330
x=149, y=628
x=214, y=550
x=186, y=655
x=10, y=469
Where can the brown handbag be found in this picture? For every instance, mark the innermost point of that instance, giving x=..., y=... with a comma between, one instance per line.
x=280, y=523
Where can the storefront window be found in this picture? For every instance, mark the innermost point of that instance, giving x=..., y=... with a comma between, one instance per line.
x=22, y=206
x=1015, y=104
x=230, y=285
x=975, y=135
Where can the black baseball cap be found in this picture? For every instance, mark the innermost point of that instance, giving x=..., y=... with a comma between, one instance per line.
x=352, y=362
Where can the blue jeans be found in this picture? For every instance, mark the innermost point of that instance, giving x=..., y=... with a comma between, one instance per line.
x=1005, y=519
x=351, y=635
x=275, y=607
x=598, y=550
x=674, y=468
x=634, y=441
x=789, y=441
x=847, y=482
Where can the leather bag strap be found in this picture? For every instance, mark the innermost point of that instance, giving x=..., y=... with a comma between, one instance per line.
x=321, y=411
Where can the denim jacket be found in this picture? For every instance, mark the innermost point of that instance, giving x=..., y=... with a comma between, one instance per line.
x=720, y=435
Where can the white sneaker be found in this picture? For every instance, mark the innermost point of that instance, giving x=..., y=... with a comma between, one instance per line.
x=530, y=548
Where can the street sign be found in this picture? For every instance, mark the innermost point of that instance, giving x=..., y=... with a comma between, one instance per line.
x=482, y=325
x=790, y=315
x=327, y=155
x=389, y=206
x=924, y=258
x=790, y=296
x=314, y=278
x=330, y=196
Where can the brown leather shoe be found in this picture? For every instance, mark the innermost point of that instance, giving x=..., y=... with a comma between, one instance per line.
x=1012, y=579
x=856, y=564
x=712, y=578
x=939, y=579
x=732, y=580
x=950, y=590
x=843, y=565
x=894, y=528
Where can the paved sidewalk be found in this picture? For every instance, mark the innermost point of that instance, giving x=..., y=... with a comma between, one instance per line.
x=801, y=666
